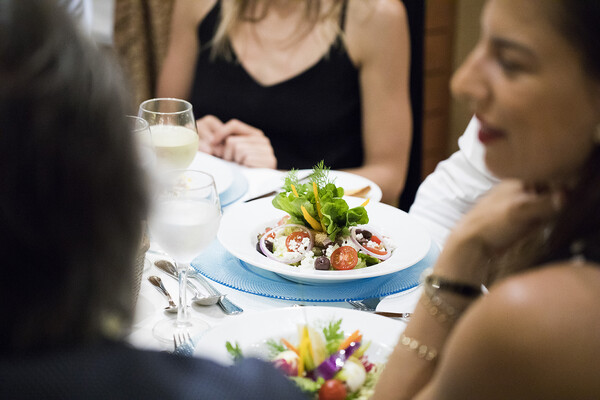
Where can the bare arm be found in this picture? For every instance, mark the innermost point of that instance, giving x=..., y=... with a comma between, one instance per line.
x=503, y=216
x=378, y=42
x=175, y=79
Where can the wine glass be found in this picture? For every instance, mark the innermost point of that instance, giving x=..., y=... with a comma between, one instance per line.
x=173, y=129
x=184, y=221
x=142, y=140
x=142, y=137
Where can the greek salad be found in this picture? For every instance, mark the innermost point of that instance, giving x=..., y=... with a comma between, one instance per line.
x=323, y=363
x=320, y=230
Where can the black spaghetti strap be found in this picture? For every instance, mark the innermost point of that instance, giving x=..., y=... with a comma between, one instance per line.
x=343, y=15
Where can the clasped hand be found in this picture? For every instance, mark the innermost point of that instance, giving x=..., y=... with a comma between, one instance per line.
x=235, y=141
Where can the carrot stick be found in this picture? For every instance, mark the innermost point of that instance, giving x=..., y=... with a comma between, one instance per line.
x=309, y=218
x=294, y=190
x=318, y=203
x=290, y=346
x=352, y=338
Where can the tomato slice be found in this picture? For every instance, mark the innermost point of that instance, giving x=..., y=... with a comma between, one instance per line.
x=376, y=250
x=269, y=235
x=332, y=389
x=294, y=241
x=344, y=258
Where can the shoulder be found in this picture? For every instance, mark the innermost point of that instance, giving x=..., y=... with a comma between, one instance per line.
x=192, y=11
x=375, y=27
x=537, y=330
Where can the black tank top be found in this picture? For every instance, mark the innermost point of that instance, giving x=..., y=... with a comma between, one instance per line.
x=312, y=116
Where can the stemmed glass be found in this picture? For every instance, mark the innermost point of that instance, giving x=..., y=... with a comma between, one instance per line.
x=173, y=129
x=184, y=221
x=142, y=137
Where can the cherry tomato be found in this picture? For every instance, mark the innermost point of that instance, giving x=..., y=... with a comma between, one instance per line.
x=377, y=250
x=294, y=241
x=332, y=389
x=344, y=258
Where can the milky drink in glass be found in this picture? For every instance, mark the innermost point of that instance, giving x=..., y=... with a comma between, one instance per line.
x=175, y=146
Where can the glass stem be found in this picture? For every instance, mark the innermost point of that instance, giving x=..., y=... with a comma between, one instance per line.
x=183, y=315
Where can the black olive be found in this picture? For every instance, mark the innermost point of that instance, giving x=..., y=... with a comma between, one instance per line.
x=322, y=263
x=269, y=245
x=366, y=234
x=258, y=248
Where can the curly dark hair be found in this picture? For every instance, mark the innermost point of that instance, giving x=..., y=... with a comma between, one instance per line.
x=72, y=196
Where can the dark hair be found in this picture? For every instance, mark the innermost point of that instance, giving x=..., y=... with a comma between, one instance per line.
x=72, y=196
x=577, y=230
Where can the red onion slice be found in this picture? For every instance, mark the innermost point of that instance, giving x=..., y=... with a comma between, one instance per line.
x=382, y=257
x=295, y=259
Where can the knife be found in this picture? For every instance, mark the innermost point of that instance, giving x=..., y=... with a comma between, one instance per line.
x=402, y=315
x=273, y=192
x=226, y=305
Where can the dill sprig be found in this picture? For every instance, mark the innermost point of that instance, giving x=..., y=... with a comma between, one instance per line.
x=320, y=174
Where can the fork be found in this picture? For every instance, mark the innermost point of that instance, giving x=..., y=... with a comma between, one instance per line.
x=183, y=343
x=369, y=304
x=359, y=305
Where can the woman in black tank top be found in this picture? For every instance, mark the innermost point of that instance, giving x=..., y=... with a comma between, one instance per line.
x=290, y=84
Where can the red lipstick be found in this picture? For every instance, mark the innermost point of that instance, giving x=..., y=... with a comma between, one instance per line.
x=488, y=134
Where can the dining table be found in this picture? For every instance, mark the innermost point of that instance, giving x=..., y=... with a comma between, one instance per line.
x=243, y=183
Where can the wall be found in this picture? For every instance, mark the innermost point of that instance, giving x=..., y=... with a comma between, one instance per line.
x=466, y=33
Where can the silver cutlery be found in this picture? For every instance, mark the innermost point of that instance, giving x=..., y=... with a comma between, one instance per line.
x=400, y=315
x=203, y=300
x=226, y=305
x=183, y=344
x=157, y=283
x=272, y=192
x=368, y=304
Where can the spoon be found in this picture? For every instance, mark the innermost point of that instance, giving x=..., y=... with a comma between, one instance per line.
x=204, y=300
x=157, y=282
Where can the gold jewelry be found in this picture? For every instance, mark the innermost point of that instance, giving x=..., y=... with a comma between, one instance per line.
x=438, y=308
x=424, y=352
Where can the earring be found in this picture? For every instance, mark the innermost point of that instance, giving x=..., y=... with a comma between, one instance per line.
x=597, y=135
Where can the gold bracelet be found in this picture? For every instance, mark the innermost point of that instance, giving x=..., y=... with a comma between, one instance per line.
x=437, y=307
x=424, y=352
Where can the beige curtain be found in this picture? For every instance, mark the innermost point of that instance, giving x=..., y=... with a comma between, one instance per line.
x=141, y=34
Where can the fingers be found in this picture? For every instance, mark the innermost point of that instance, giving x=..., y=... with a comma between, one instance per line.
x=234, y=127
x=207, y=127
x=251, y=151
x=243, y=144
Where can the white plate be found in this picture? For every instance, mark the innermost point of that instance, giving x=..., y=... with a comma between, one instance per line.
x=220, y=170
x=252, y=331
x=350, y=181
x=242, y=222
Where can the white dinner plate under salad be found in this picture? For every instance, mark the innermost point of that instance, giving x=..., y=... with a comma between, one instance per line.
x=221, y=170
x=350, y=182
x=252, y=331
x=242, y=222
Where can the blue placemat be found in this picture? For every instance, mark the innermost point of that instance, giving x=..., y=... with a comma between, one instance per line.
x=238, y=188
x=218, y=264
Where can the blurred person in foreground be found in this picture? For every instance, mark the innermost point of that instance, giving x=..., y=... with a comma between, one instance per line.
x=71, y=206
x=533, y=83
x=284, y=84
